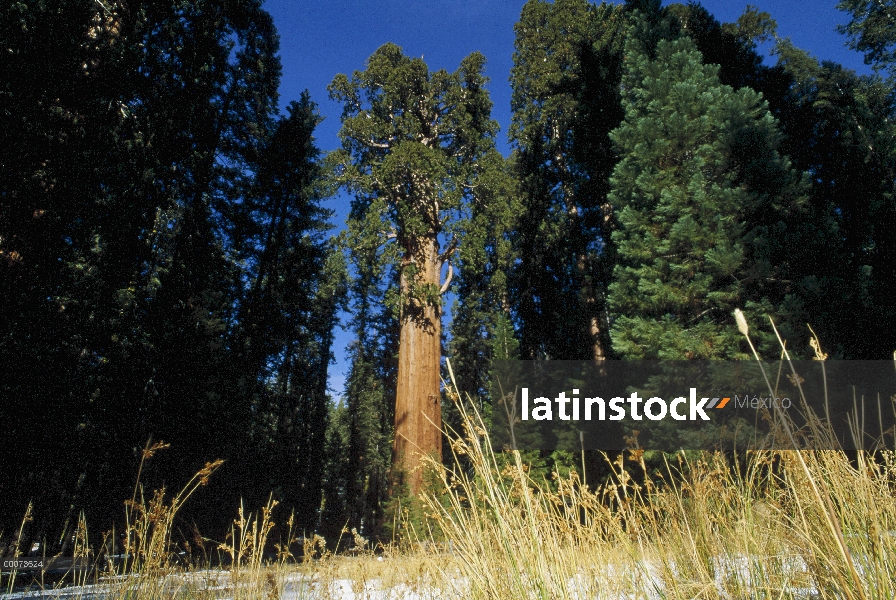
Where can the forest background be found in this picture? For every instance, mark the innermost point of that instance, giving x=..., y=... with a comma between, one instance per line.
x=173, y=269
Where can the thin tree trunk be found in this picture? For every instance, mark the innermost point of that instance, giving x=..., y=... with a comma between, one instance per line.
x=418, y=415
x=592, y=311
x=592, y=308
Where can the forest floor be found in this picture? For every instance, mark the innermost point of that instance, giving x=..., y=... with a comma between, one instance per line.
x=791, y=524
x=807, y=524
x=368, y=578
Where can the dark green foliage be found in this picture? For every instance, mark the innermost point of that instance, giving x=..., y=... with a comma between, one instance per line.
x=142, y=165
x=369, y=395
x=706, y=209
x=336, y=473
x=872, y=30
x=485, y=258
x=47, y=131
x=840, y=128
x=730, y=46
x=361, y=440
x=565, y=79
x=294, y=287
x=166, y=269
x=411, y=167
x=369, y=446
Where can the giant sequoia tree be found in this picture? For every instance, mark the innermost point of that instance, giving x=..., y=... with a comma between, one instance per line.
x=411, y=143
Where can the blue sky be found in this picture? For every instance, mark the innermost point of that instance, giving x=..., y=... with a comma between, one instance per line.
x=320, y=38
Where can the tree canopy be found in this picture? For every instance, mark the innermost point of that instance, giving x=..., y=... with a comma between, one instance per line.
x=171, y=271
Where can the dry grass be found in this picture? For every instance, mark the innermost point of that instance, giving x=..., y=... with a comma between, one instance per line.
x=705, y=530
x=774, y=524
x=777, y=524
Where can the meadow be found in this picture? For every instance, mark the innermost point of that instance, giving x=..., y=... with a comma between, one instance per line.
x=767, y=524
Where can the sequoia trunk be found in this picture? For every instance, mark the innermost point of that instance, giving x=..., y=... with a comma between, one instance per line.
x=418, y=415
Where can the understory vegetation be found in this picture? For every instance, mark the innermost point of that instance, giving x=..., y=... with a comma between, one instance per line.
x=767, y=523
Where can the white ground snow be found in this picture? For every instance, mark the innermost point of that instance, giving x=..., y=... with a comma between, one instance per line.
x=217, y=584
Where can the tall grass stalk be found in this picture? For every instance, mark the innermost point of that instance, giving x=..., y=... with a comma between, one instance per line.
x=783, y=524
x=25, y=520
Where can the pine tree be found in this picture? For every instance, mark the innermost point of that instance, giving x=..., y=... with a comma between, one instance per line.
x=705, y=204
x=411, y=143
x=836, y=126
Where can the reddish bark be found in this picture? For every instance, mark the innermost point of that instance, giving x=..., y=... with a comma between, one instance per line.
x=418, y=413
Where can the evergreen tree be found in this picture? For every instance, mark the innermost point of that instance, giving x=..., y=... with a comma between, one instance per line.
x=295, y=285
x=836, y=127
x=485, y=259
x=135, y=137
x=872, y=30
x=209, y=77
x=565, y=79
x=411, y=144
x=369, y=448
x=840, y=128
x=706, y=208
x=732, y=46
x=368, y=416
x=65, y=138
x=335, y=473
